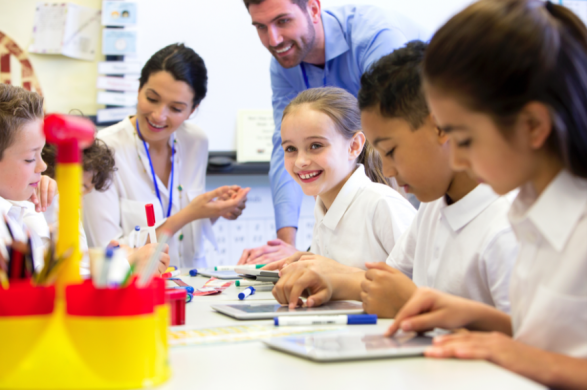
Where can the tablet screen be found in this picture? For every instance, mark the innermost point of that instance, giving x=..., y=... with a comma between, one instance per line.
x=345, y=343
x=349, y=346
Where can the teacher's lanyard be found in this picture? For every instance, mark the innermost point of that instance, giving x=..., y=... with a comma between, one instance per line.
x=153, y=172
x=306, y=76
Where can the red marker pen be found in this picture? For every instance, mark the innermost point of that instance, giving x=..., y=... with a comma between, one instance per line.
x=150, y=211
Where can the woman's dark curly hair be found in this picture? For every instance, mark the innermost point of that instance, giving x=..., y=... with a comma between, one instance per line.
x=98, y=159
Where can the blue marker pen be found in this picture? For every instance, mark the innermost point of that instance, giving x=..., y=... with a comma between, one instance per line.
x=351, y=319
x=194, y=272
x=189, y=289
x=246, y=292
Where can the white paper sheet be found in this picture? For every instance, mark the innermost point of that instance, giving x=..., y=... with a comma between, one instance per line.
x=68, y=29
x=254, y=135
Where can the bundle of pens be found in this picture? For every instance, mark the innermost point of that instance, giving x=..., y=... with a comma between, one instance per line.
x=110, y=330
x=17, y=260
x=110, y=269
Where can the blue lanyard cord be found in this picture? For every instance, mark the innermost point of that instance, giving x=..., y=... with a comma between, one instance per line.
x=306, y=81
x=153, y=172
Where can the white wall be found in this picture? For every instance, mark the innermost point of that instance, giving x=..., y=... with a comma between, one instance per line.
x=221, y=32
x=66, y=83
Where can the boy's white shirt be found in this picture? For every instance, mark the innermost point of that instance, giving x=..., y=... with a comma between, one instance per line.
x=363, y=223
x=24, y=215
x=466, y=249
x=549, y=281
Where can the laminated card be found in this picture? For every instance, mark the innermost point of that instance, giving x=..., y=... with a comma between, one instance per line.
x=255, y=130
x=68, y=29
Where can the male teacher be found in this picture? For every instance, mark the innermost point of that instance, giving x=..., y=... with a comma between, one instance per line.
x=314, y=48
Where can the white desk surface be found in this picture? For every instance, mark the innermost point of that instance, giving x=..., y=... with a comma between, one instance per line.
x=252, y=365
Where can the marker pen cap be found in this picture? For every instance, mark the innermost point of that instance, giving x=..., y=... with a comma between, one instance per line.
x=189, y=289
x=360, y=319
x=137, y=228
x=150, y=214
x=246, y=292
x=193, y=272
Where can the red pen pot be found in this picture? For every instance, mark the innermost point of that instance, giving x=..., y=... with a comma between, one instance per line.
x=176, y=299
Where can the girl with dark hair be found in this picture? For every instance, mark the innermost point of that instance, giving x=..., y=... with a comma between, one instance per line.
x=506, y=79
x=161, y=159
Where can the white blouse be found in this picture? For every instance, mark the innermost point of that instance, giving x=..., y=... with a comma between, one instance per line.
x=549, y=281
x=466, y=248
x=114, y=213
x=363, y=223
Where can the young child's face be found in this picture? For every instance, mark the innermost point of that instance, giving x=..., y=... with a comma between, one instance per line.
x=21, y=165
x=418, y=159
x=317, y=155
x=478, y=146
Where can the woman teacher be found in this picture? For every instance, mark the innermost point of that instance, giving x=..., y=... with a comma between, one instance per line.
x=161, y=159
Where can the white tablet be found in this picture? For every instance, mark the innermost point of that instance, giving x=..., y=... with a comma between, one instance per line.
x=219, y=274
x=337, y=346
x=257, y=274
x=259, y=311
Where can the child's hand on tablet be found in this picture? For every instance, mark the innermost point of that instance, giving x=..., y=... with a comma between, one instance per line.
x=385, y=290
x=301, y=279
x=429, y=309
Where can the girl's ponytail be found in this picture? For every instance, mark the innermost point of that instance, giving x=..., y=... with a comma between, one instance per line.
x=373, y=166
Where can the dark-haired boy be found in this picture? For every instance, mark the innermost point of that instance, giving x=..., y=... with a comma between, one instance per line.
x=460, y=241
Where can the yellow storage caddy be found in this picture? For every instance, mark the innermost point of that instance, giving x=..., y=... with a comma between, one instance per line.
x=74, y=335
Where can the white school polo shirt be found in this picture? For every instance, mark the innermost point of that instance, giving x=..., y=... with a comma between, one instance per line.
x=23, y=214
x=549, y=281
x=114, y=213
x=466, y=249
x=363, y=223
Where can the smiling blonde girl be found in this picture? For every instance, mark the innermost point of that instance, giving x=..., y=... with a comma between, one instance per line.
x=358, y=217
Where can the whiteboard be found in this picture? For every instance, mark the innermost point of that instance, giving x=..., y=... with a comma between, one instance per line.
x=220, y=31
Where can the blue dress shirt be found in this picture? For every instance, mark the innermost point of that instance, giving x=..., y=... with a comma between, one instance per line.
x=355, y=38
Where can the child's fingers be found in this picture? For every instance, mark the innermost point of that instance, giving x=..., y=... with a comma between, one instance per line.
x=300, y=285
x=276, y=265
x=43, y=189
x=421, y=301
x=317, y=299
x=34, y=199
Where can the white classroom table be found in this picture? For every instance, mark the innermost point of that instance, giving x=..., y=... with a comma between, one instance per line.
x=252, y=365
